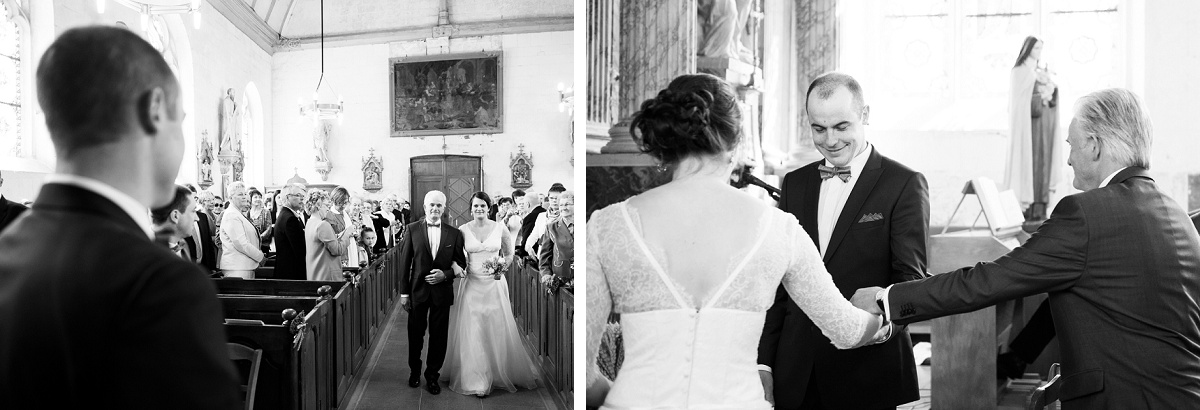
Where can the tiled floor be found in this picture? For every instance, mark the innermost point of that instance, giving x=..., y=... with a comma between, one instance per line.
x=386, y=375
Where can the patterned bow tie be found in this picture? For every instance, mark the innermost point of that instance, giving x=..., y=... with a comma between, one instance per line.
x=828, y=172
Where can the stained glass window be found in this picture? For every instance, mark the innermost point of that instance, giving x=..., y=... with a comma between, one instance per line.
x=11, y=141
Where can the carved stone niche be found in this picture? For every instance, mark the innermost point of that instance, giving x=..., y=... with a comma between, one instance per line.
x=521, y=165
x=372, y=168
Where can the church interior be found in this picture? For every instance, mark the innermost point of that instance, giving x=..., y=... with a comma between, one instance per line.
x=390, y=100
x=936, y=77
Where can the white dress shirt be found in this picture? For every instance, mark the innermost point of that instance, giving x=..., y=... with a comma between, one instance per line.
x=136, y=210
x=435, y=240
x=539, y=229
x=833, y=197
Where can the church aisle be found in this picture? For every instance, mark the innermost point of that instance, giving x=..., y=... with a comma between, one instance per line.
x=383, y=384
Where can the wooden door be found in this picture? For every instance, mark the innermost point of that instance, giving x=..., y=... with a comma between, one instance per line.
x=457, y=176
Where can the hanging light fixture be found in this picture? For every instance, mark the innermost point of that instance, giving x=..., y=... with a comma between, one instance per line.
x=157, y=7
x=316, y=110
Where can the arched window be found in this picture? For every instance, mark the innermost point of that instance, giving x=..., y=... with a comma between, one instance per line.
x=12, y=141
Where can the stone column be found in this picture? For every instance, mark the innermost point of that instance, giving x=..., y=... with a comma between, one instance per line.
x=604, y=53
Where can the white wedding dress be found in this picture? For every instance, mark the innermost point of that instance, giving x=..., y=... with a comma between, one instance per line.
x=682, y=356
x=484, y=348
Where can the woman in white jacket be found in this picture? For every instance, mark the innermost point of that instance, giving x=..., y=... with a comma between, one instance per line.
x=240, y=250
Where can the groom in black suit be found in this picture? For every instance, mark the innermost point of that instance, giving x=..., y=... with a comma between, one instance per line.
x=431, y=256
x=869, y=216
x=93, y=313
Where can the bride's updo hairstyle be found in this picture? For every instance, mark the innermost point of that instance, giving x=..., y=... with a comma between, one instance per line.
x=697, y=114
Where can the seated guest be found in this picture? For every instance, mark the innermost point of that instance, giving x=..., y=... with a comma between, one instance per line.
x=556, y=254
x=175, y=221
x=9, y=210
x=550, y=202
x=240, y=252
x=1120, y=261
x=93, y=313
x=290, y=243
x=324, y=247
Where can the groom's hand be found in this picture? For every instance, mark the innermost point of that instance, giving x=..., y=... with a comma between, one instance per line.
x=406, y=303
x=435, y=276
x=865, y=299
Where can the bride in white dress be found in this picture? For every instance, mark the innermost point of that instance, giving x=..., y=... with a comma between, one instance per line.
x=484, y=349
x=692, y=267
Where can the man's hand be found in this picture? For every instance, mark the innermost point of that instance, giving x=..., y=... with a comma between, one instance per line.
x=865, y=299
x=406, y=303
x=768, y=382
x=546, y=279
x=435, y=276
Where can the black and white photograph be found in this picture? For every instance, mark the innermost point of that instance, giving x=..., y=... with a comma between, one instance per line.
x=926, y=204
x=287, y=204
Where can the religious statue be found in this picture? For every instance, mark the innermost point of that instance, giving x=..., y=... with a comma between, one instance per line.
x=321, y=145
x=521, y=165
x=206, y=160
x=228, y=122
x=723, y=22
x=372, y=169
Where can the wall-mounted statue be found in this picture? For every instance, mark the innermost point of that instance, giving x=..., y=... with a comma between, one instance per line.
x=321, y=135
x=521, y=165
x=372, y=168
x=206, y=158
x=228, y=123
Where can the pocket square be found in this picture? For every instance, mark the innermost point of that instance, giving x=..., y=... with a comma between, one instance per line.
x=871, y=217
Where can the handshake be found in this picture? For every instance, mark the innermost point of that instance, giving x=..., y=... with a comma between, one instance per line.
x=868, y=299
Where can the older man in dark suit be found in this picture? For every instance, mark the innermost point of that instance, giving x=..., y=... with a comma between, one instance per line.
x=9, y=210
x=431, y=256
x=868, y=215
x=290, y=244
x=1121, y=263
x=92, y=312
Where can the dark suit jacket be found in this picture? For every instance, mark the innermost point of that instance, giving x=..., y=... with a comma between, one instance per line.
x=289, y=246
x=1122, y=267
x=93, y=313
x=861, y=253
x=209, y=257
x=557, y=251
x=382, y=240
x=527, y=225
x=416, y=262
x=9, y=211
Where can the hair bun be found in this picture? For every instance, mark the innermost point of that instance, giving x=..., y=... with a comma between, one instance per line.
x=695, y=114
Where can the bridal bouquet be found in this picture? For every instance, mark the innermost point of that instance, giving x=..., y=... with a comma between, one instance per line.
x=494, y=266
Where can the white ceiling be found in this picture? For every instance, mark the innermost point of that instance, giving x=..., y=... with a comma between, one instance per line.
x=302, y=18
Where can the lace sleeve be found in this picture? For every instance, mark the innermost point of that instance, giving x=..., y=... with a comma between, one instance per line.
x=599, y=300
x=811, y=287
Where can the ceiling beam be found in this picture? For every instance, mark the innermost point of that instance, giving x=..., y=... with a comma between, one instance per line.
x=270, y=9
x=245, y=19
x=287, y=17
x=476, y=29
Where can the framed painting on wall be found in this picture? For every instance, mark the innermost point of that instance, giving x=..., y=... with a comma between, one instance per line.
x=446, y=94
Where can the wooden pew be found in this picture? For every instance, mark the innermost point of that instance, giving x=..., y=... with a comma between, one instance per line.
x=297, y=342
x=349, y=347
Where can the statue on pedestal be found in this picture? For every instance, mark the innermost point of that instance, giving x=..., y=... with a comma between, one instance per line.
x=206, y=161
x=228, y=124
x=722, y=24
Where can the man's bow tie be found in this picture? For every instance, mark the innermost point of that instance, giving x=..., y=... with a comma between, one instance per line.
x=829, y=172
x=433, y=225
